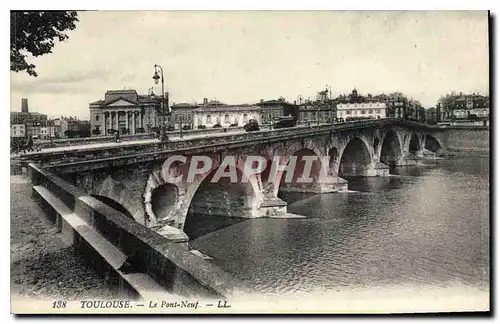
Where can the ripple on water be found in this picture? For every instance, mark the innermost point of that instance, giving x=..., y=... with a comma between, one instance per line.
x=427, y=226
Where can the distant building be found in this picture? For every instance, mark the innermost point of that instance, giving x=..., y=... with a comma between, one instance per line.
x=211, y=113
x=321, y=110
x=271, y=110
x=17, y=130
x=72, y=127
x=127, y=112
x=415, y=111
x=431, y=116
x=397, y=105
x=19, y=117
x=464, y=109
x=182, y=113
x=32, y=121
x=359, y=107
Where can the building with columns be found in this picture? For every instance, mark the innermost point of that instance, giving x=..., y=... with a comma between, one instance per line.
x=125, y=111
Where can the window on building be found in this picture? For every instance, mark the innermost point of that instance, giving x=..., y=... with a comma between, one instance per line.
x=370, y=111
x=199, y=121
x=226, y=119
x=96, y=117
x=362, y=111
x=245, y=118
x=347, y=112
x=209, y=119
x=378, y=111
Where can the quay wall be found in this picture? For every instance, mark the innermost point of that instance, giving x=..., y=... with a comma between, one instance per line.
x=467, y=139
x=170, y=265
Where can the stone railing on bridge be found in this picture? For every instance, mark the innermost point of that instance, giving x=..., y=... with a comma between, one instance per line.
x=151, y=259
x=153, y=151
x=68, y=142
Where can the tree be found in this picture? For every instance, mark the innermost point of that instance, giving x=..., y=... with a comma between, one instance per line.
x=34, y=32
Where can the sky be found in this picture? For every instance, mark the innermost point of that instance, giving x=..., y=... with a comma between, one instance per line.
x=242, y=57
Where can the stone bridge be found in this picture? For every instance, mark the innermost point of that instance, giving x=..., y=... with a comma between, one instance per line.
x=134, y=181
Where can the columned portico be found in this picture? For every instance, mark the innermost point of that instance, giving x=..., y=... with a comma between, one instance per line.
x=116, y=120
x=126, y=121
x=133, y=122
x=110, y=120
x=118, y=107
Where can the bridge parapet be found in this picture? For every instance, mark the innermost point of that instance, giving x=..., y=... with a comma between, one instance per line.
x=132, y=151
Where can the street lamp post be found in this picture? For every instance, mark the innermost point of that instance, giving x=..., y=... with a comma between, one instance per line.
x=156, y=77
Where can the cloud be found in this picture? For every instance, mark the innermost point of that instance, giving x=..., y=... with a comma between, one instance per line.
x=242, y=56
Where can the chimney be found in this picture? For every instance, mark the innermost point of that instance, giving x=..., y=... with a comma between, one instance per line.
x=205, y=101
x=24, y=105
x=261, y=100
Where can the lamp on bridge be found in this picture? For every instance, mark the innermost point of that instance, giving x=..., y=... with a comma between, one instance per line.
x=156, y=78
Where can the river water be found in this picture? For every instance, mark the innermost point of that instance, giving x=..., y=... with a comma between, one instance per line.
x=425, y=225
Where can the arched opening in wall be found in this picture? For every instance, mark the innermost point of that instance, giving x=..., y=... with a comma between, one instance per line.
x=432, y=144
x=164, y=199
x=355, y=159
x=376, y=142
x=218, y=203
x=303, y=179
x=114, y=204
x=414, y=144
x=391, y=149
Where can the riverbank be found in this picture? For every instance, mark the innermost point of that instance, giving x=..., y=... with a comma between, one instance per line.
x=42, y=264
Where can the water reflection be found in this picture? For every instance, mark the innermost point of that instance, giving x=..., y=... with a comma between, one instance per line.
x=426, y=225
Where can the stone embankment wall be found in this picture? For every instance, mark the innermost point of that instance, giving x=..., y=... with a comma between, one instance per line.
x=467, y=139
x=142, y=259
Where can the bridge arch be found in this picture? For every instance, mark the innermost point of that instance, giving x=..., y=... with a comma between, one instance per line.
x=117, y=195
x=114, y=204
x=302, y=179
x=414, y=145
x=355, y=158
x=214, y=197
x=391, y=151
